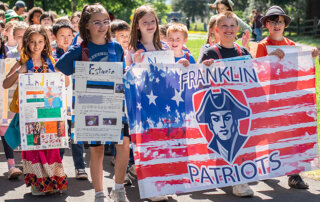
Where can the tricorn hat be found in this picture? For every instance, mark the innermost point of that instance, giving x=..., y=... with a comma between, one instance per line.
x=275, y=10
x=222, y=101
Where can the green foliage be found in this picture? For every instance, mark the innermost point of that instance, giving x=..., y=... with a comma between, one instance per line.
x=192, y=8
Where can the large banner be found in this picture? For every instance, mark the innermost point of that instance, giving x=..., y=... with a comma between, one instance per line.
x=98, y=102
x=43, y=111
x=6, y=95
x=234, y=122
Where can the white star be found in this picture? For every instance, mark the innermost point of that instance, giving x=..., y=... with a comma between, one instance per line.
x=152, y=98
x=167, y=108
x=176, y=120
x=177, y=97
x=139, y=106
x=157, y=80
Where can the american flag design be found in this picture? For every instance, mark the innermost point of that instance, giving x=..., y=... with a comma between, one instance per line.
x=234, y=122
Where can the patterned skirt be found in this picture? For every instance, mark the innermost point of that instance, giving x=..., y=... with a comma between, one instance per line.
x=43, y=169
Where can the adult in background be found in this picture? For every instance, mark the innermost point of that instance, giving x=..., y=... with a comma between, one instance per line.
x=258, y=27
x=19, y=7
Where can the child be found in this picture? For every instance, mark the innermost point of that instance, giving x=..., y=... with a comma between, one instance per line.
x=34, y=15
x=50, y=36
x=121, y=31
x=227, y=28
x=177, y=35
x=46, y=19
x=75, y=18
x=96, y=34
x=144, y=36
x=43, y=169
x=10, y=42
x=18, y=31
x=275, y=21
x=62, y=31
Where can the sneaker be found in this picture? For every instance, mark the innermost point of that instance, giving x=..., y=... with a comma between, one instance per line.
x=14, y=173
x=35, y=191
x=242, y=190
x=100, y=197
x=119, y=195
x=132, y=173
x=296, y=182
x=159, y=198
x=81, y=174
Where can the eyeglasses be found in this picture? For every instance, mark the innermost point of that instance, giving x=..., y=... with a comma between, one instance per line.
x=101, y=24
x=274, y=23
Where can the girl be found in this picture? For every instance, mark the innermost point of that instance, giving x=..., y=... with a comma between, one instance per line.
x=11, y=43
x=98, y=46
x=144, y=34
x=43, y=168
x=34, y=15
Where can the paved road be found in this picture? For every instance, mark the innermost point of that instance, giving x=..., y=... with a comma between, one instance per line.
x=78, y=191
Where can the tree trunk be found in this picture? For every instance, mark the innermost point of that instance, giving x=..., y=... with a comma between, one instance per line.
x=74, y=5
x=30, y=4
x=312, y=9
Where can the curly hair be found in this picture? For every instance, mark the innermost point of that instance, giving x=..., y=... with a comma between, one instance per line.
x=32, y=12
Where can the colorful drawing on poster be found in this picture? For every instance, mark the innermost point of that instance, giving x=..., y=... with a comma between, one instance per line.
x=49, y=113
x=35, y=96
x=50, y=127
x=109, y=121
x=92, y=120
x=100, y=86
x=52, y=98
x=30, y=139
x=61, y=129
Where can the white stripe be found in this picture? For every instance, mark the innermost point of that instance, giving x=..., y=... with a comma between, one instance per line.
x=279, y=96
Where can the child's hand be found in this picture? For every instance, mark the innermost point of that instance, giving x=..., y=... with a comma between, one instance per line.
x=315, y=52
x=246, y=39
x=184, y=61
x=208, y=62
x=278, y=52
x=137, y=56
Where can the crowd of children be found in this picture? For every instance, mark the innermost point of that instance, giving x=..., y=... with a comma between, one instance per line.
x=41, y=43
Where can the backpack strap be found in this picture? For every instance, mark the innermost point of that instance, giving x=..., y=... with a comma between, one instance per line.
x=217, y=51
x=238, y=49
x=84, y=51
x=187, y=56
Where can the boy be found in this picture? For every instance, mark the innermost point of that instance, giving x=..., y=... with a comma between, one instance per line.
x=275, y=21
x=63, y=32
x=227, y=28
x=177, y=35
x=120, y=31
x=18, y=31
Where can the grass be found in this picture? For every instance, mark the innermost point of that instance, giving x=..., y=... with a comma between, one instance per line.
x=194, y=44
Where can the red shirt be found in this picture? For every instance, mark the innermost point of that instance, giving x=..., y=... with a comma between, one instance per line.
x=262, y=45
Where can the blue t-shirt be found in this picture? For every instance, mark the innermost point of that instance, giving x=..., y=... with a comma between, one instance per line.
x=97, y=53
x=191, y=59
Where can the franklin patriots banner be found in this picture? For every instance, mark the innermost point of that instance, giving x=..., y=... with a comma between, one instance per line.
x=234, y=122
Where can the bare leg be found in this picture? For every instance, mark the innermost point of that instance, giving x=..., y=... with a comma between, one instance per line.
x=122, y=159
x=96, y=167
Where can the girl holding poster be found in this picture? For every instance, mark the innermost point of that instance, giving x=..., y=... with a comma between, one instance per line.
x=43, y=169
x=97, y=46
x=144, y=36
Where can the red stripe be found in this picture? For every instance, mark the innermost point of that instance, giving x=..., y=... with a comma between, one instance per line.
x=276, y=73
x=294, y=101
x=280, y=88
x=179, y=168
x=284, y=120
x=200, y=149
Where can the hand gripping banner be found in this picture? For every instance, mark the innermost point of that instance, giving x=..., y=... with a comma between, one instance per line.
x=234, y=122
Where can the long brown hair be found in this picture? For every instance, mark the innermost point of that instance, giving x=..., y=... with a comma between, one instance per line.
x=35, y=29
x=226, y=3
x=86, y=14
x=135, y=34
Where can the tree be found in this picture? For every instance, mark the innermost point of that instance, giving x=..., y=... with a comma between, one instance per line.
x=192, y=8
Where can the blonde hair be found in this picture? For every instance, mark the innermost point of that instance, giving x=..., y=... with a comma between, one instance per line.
x=135, y=34
x=212, y=23
x=178, y=27
x=226, y=14
x=19, y=25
